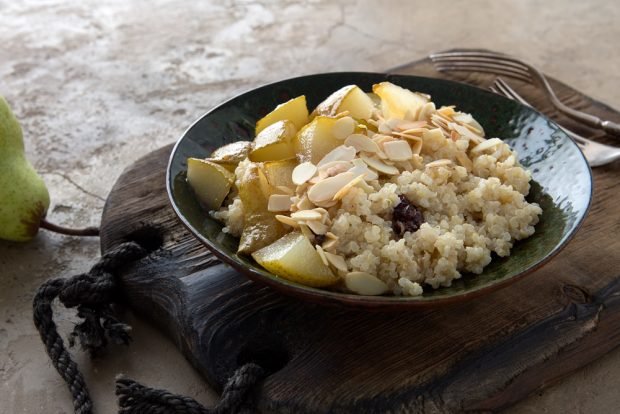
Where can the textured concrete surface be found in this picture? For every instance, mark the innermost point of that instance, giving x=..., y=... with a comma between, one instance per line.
x=97, y=84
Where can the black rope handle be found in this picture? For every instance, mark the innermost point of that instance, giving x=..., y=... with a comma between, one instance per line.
x=93, y=294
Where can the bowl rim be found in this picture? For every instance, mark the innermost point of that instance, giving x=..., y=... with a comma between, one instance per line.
x=329, y=297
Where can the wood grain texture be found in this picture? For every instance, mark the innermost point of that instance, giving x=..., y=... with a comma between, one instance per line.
x=482, y=355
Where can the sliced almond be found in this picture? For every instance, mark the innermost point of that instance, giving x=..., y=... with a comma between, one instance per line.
x=341, y=153
x=303, y=172
x=327, y=204
x=337, y=261
x=465, y=132
x=304, y=215
x=464, y=160
x=317, y=227
x=427, y=111
x=416, y=143
x=304, y=203
x=447, y=111
x=384, y=128
x=397, y=150
x=439, y=163
x=287, y=220
x=343, y=127
x=306, y=232
x=319, y=250
x=404, y=125
x=361, y=143
x=408, y=132
x=329, y=244
x=327, y=188
x=364, y=283
x=279, y=202
x=365, y=171
x=334, y=168
x=344, y=190
x=285, y=190
x=379, y=165
x=487, y=144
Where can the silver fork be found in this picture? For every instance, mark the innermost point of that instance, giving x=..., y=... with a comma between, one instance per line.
x=597, y=154
x=470, y=60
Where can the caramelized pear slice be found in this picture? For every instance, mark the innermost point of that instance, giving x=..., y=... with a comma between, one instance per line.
x=294, y=258
x=211, y=182
x=295, y=111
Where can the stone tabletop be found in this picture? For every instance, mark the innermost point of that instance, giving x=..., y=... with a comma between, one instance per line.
x=98, y=84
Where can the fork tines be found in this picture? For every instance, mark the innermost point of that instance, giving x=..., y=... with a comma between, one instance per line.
x=487, y=62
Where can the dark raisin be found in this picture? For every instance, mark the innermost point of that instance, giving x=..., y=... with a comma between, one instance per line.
x=406, y=217
x=319, y=239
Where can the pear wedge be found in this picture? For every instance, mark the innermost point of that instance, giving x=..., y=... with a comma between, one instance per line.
x=260, y=225
x=24, y=198
x=230, y=155
x=316, y=139
x=295, y=111
x=274, y=143
x=349, y=98
x=294, y=258
x=211, y=182
x=400, y=103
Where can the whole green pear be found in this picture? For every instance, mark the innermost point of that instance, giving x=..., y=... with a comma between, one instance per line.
x=24, y=199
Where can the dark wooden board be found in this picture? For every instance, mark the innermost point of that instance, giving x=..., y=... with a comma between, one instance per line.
x=482, y=355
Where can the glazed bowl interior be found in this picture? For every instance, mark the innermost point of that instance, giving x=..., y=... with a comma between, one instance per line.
x=561, y=179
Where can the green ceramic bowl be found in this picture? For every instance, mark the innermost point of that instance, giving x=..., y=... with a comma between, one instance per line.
x=562, y=182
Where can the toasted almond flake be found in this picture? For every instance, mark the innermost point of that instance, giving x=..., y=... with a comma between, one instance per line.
x=343, y=127
x=321, y=253
x=416, y=144
x=319, y=178
x=381, y=138
x=454, y=136
x=301, y=189
x=379, y=165
x=279, y=202
x=439, y=163
x=363, y=169
x=287, y=220
x=447, y=111
x=329, y=244
x=365, y=284
x=361, y=143
x=306, y=215
x=397, y=150
x=464, y=160
x=344, y=190
x=462, y=118
x=327, y=203
x=475, y=130
x=286, y=190
x=465, y=132
x=337, y=261
x=303, y=172
x=487, y=144
x=304, y=203
x=409, y=132
x=373, y=122
x=384, y=128
x=427, y=111
x=405, y=165
x=331, y=235
x=307, y=232
x=317, y=227
x=327, y=188
x=333, y=168
x=404, y=125
x=341, y=153
x=342, y=114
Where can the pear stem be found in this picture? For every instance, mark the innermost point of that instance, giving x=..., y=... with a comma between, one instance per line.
x=85, y=232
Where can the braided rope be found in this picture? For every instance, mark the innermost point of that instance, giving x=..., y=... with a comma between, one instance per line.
x=93, y=293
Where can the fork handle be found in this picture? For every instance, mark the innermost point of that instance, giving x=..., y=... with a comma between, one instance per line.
x=612, y=128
